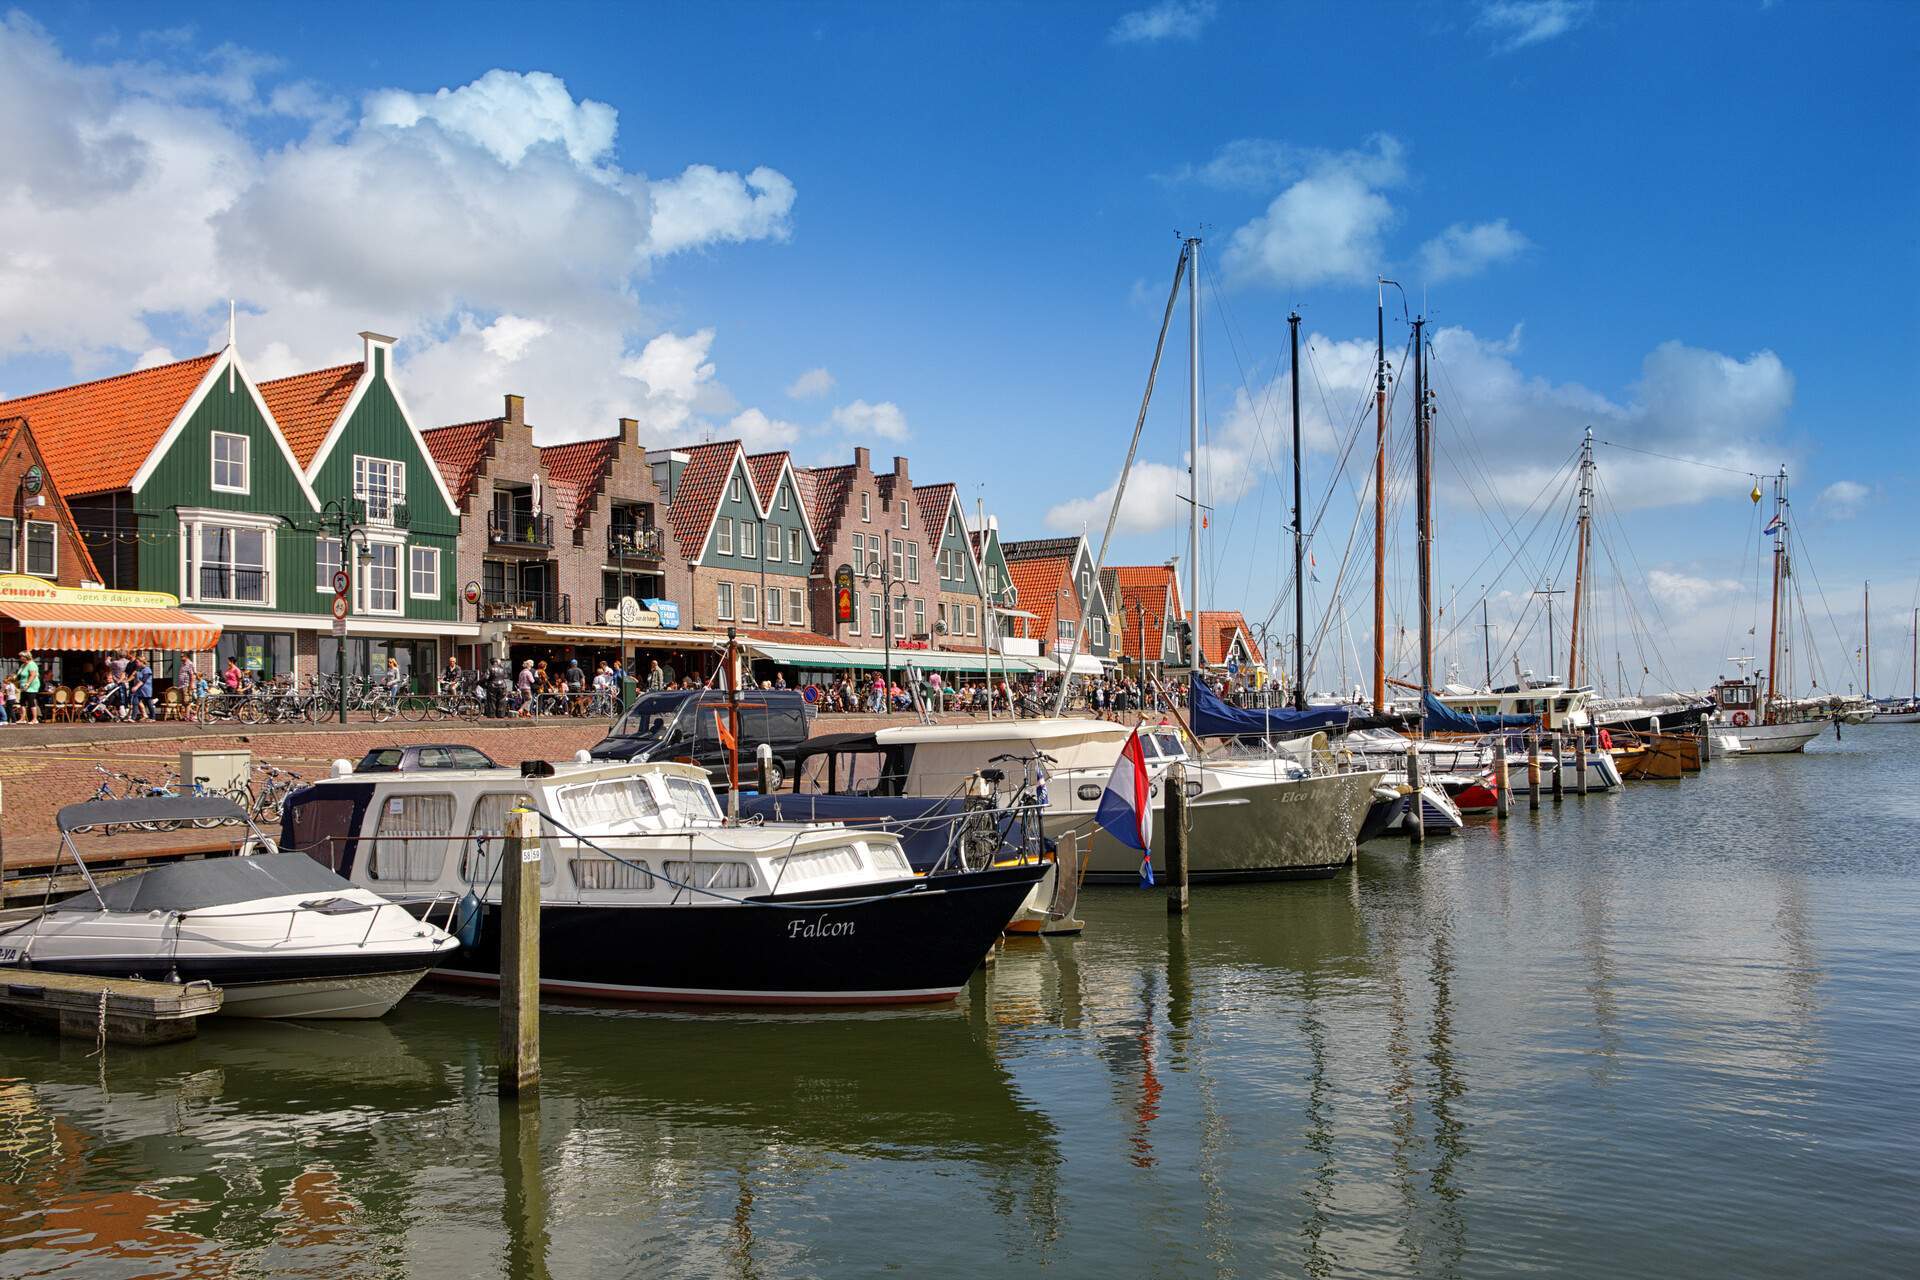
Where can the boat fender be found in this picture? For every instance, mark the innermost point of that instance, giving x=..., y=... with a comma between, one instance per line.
x=466, y=919
x=1606, y=740
x=1740, y=719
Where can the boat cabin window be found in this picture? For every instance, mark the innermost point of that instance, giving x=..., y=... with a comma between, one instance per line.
x=606, y=873
x=410, y=842
x=1169, y=745
x=712, y=875
x=619, y=805
x=693, y=799
x=480, y=864
x=323, y=824
x=845, y=773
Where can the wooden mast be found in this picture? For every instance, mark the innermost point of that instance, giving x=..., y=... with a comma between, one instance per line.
x=1580, y=558
x=1773, y=622
x=1380, y=502
x=1422, y=494
x=1299, y=542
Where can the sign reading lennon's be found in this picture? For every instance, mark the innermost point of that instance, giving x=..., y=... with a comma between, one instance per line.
x=629, y=614
x=19, y=586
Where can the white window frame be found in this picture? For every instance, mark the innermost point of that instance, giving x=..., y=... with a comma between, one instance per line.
x=215, y=462
x=194, y=521
x=776, y=607
x=876, y=615
x=413, y=570
x=785, y=503
x=919, y=618
x=794, y=549
x=13, y=542
x=866, y=508
x=913, y=562
x=723, y=538
x=323, y=570
x=899, y=612
x=363, y=570
x=26, y=547
x=733, y=489
x=906, y=510
x=897, y=558
x=396, y=487
x=853, y=619
x=749, y=602
x=749, y=540
x=773, y=545
x=723, y=601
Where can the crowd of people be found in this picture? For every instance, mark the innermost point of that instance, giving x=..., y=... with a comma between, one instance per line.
x=111, y=686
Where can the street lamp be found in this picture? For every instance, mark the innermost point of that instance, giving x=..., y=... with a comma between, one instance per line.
x=884, y=576
x=342, y=517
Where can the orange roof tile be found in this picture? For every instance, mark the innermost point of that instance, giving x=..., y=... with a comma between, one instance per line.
x=765, y=469
x=1216, y=628
x=96, y=435
x=9, y=429
x=1040, y=584
x=306, y=405
x=461, y=451
x=697, y=495
x=1142, y=590
x=934, y=502
x=579, y=470
x=826, y=490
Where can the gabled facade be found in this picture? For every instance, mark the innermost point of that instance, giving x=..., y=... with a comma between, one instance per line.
x=1148, y=613
x=613, y=512
x=958, y=622
x=742, y=522
x=38, y=536
x=871, y=524
x=1223, y=635
x=1097, y=634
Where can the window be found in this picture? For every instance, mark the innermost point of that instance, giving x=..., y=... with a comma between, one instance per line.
x=423, y=573
x=913, y=562
x=749, y=602
x=480, y=863
x=723, y=601
x=6, y=545
x=230, y=454
x=411, y=841
x=380, y=579
x=326, y=563
x=793, y=545
x=43, y=555
x=734, y=490
x=919, y=617
x=853, y=616
x=724, y=535
x=749, y=540
x=228, y=563
x=380, y=483
x=874, y=602
x=785, y=505
x=773, y=546
x=899, y=559
x=972, y=620
x=906, y=505
x=776, y=607
x=946, y=623
x=1064, y=628
x=1096, y=632
x=711, y=875
x=899, y=616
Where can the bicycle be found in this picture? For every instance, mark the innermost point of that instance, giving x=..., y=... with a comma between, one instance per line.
x=266, y=804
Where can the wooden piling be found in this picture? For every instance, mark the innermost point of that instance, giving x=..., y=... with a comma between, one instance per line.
x=1705, y=731
x=520, y=955
x=1175, y=788
x=1580, y=763
x=1559, y=774
x=1533, y=772
x=763, y=763
x=1416, y=811
x=1502, y=780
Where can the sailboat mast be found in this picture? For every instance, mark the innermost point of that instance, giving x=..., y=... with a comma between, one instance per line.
x=1299, y=545
x=1380, y=501
x=1580, y=558
x=1425, y=512
x=1486, y=642
x=1866, y=641
x=1193, y=445
x=1779, y=556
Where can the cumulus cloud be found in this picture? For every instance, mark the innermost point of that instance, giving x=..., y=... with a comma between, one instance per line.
x=493, y=225
x=1685, y=593
x=1328, y=225
x=811, y=385
x=1515, y=24
x=1463, y=250
x=760, y=433
x=1843, y=499
x=862, y=419
x=1168, y=20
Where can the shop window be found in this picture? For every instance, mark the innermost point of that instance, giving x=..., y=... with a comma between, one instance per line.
x=43, y=548
x=230, y=462
x=262, y=654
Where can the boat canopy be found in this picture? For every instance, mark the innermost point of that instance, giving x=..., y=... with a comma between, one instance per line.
x=1441, y=718
x=116, y=813
x=215, y=882
x=1213, y=718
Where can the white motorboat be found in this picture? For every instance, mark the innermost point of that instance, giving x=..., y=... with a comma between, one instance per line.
x=1469, y=759
x=1747, y=724
x=281, y=935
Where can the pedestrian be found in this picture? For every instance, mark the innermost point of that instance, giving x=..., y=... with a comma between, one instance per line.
x=524, y=687
x=29, y=679
x=498, y=683
x=656, y=678
x=140, y=680
x=576, y=678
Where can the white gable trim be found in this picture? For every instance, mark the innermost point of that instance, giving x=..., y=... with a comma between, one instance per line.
x=171, y=436
x=739, y=464
x=339, y=428
x=785, y=477
x=959, y=513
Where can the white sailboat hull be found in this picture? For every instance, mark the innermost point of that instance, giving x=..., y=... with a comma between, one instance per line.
x=1766, y=739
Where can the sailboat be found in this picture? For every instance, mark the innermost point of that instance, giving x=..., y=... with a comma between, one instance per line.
x=1755, y=715
x=1907, y=712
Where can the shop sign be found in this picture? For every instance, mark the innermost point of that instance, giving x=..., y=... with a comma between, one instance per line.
x=668, y=612
x=632, y=616
x=843, y=593
x=256, y=657
x=21, y=587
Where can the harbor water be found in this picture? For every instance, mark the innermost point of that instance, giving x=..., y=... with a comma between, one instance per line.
x=1668, y=1031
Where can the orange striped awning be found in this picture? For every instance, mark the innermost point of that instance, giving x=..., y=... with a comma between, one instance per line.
x=73, y=627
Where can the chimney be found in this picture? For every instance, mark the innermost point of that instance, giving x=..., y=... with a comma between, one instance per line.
x=862, y=458
x=516, y=411
x=900, y=481
x=630, y=431
x=376, y=352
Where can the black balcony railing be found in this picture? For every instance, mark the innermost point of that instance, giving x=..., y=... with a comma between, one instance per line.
x=526, y=606
x=514, y=529
x=633, y=542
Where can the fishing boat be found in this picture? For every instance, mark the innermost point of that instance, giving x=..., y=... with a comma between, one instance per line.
x=280, y=934
x=650, y=894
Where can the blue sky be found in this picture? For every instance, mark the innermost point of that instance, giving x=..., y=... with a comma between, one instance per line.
x=1690, y=225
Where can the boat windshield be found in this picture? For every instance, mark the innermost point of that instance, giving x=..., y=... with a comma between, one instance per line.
x=611, y=805
x=1169, y=745
x=693, y=799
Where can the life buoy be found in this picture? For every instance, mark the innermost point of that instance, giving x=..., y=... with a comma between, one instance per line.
x=1741, y=719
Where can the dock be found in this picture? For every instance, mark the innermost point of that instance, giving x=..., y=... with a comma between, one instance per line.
x=131, y=1011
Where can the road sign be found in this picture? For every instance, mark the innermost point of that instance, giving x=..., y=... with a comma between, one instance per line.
x=340, y=582
x=1233, y=666
x=339, y=608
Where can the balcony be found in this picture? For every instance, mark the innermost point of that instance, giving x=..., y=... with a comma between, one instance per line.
x=519, y=530
x=526, y=606
x=634, y=542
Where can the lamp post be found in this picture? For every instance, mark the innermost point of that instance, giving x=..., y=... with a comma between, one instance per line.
x=884, y=576
x=341, y=517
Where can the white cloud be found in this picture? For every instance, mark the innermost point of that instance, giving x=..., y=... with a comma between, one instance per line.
x=1327, y=226
x=506, y=113
x=1519, y=23
x=1168, y=20
x=705, y=205
x=154, y=357
x=760, y=433
x=862, y=419
x=810, y=385
x=1683, y=593
x=1843, y=499
x=510, y=336
x=1463, y=250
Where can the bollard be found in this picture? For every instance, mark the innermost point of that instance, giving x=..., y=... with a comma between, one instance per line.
x=1175, y=784
x=1416, y=818
x=763, y=761
x=1705, y=730
x=1502, y=781
x=1559, y=778
x=1533, y=772
x=520, y=954
x=1580, y=762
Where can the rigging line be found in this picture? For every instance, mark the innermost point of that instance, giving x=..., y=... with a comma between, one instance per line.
x=1346, y=456
x=1456, y=410
x=1528, y=607
x=1793, y=535
x=1556, y=484
x=1608, y=511
x=1692, y=462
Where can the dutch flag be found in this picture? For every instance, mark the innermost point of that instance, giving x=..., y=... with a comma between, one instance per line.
x=1126, y=806
x=1774, y=526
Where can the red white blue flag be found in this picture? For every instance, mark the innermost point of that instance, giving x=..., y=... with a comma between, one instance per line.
x=1126, y=806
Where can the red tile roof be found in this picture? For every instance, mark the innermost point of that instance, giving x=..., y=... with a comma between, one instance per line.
x=306, y=405
x=461, y=451
x=1039, y=548
x=10, y=429
x=825, y=491
x=1145, y=585
x=578, y=469
x=1040, y=583
x=1216, y=628
x=96, y=435
x=765, y=469
x=934, y=502
x=697, y=495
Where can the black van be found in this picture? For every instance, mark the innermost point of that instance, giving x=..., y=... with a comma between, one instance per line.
x=680, y=725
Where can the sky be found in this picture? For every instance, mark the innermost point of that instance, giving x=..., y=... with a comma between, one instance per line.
x=948, y=231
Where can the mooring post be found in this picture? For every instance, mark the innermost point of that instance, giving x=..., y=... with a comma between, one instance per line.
x=763, y=760
x=1533, y=771
x=520, y=955
x=1502, y=780
x=1416, y=818
x=1580, y=760
x=1175, y=785
x=1559, y=774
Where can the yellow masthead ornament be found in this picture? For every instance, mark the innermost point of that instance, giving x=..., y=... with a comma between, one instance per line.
x=1755, y=495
